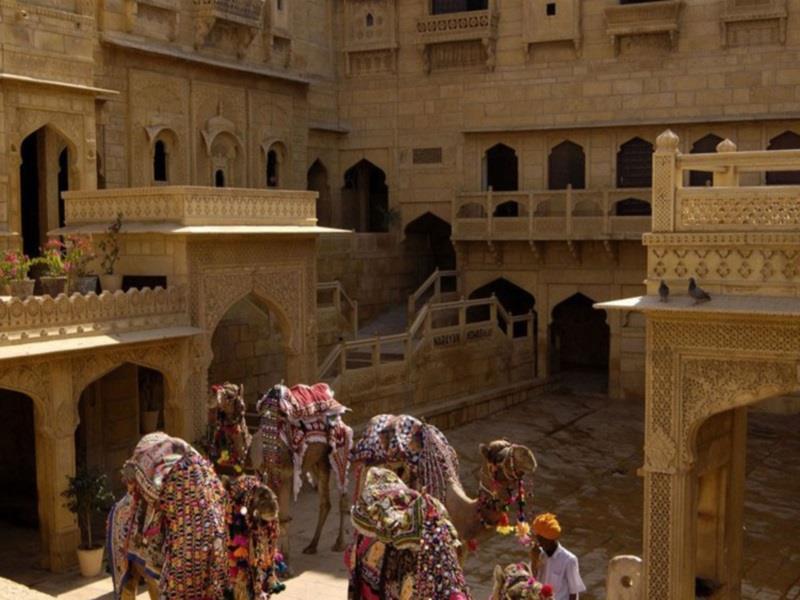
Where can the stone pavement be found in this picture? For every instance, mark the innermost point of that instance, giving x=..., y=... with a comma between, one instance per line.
x=588, y=448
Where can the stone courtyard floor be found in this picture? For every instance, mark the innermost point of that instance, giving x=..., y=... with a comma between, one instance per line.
x=588, y=448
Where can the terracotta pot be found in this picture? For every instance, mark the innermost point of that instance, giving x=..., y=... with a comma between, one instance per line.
x=91, y=561
x=53, y=286
x=111, y=283
x=85, y=285
x=21, y=289
x=149, y=421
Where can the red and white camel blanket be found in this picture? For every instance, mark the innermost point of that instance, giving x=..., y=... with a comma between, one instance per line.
x=302, y=415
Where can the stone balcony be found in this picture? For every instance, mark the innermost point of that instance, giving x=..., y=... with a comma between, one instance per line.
x=548, y=215
x=43, y=325
x=662, y=17
x=244, y=15
x=478, y=26
x=190, y=209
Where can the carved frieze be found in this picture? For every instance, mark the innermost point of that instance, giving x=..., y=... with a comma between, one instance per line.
x=456, y=39
x=370, y=36
x=748, y=23
x=244, y=16
x=649, y=18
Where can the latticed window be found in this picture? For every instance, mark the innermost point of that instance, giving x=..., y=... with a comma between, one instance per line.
x=635, y=164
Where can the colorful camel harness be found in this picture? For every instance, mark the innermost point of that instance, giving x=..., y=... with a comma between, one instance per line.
x=299, y=416
x=227, y=402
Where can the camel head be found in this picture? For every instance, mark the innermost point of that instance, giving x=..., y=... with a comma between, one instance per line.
x=229, y=400
x=505, y=466
x=254, y=494
x=515, y=582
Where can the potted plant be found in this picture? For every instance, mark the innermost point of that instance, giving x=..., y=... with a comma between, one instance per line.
x=87, y=493
x=52, y=258
x=76, y=263
x=109, y=246
x=14, y=271
x=152, y=410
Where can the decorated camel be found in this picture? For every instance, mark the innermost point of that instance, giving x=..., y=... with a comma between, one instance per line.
x=301, y=432
x=516, y=582
x=186, y=534
x=405, y=546
x=421, y=455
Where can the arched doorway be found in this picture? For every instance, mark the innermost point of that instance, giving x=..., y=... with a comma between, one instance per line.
x=317, y=181
x=248, y=345
x=428, y=241
x=566, y=166
x=20, y=540
x=44, y=174
x=788, y=140
x=705, y=145
x=635, y=164
x=579, y=339
x=501, y=173
x=514, y=299
x=632, y=207
x=365, y=198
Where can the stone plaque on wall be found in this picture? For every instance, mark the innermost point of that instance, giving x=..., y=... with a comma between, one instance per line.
x=427, y=156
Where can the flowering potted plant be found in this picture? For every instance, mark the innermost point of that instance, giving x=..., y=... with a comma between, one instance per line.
x=109, y=246
x=87, y=493
x=52, y=258
x=76, y=263
x=14, y=271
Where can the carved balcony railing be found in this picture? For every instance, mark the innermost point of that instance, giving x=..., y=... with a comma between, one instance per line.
x=476, y=25
x=245, y=15
x=769, y=16
x=661, y=17
x=192, y=206
x=46, y=319
x=549, y=215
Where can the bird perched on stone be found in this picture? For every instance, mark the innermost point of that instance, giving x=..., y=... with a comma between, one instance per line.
x=698, y=293
x=663, y=291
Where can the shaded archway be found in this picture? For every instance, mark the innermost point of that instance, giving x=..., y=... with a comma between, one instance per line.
x=514, y=299
x=20, y=539
x=566, y=166
x=635, y=164
x=632, y=207
x=579, y=337
x=705, y=145
x=248, y=346
x=365, y=198
x=428, y=241
x=44, y=174
x=317, y=180
x=501, y=169
x=788, y=140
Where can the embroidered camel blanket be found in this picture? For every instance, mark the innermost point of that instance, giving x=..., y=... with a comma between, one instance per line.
x=302, y=415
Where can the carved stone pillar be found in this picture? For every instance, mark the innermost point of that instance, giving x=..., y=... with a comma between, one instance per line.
x=665, y=180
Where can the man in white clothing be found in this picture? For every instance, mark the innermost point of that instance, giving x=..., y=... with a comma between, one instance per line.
x=552, y=563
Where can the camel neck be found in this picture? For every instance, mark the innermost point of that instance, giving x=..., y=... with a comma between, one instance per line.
x=465, y=513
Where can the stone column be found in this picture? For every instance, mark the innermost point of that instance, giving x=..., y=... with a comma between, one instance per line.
x=666, y=178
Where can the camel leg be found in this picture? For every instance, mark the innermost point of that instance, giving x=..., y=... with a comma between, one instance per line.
x=344, y=511
x=285, y=514
x=323, y=473
x=130, y=587
x=152, y=587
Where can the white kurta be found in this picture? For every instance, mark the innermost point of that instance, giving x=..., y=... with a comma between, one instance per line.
x=561, y=571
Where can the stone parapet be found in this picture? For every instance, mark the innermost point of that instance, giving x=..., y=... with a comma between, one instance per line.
x=193, y=205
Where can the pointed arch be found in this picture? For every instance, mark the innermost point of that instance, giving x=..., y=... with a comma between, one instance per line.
x=579, y=336
x=566, y=166
x=635, y=164
x=317, y=180
x=365, y=198
x=705, y=145
x=501, y=168
x=788, y=140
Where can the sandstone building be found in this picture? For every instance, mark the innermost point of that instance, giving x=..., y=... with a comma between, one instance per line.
x=506, y=143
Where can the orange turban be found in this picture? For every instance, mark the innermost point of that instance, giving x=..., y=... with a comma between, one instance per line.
x=546, y=525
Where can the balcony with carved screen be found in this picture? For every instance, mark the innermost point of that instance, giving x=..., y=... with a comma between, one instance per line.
x=246, y=16
x=466, y=37
x=660, y=17
x=749, y=23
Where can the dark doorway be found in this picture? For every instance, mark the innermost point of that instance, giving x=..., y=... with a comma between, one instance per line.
x=566, y=166
x=439, y=7
x=428, y=239
x=273, y=177
x=160, y=162
x=29, y=195
x=705, y=145
x=635, y=164
x=317, y=180
x=365, y=198
x=788, y=140
x=18, y=493
x=514, y=299
x=501, y=168
x=219, y=178
x=63, y=184
x=579, y=336
x=632, y=207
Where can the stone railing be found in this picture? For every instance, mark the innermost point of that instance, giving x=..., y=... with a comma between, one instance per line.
x=453, y=27
x=244, y=12
x=343, y=304
x=548, y=215
x=192, y=206
x=661, y=17
x=42, y=318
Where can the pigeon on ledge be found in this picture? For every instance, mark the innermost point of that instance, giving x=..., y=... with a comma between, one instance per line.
x=663, y=291
x=698, y=293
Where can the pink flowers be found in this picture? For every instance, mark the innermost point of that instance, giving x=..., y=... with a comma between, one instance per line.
x=14, y=266
x=79, y=253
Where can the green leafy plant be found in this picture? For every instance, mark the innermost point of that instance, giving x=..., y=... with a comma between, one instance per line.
x=109, y=246
x=14, y=266
x=87, y=493
x=53, y=258
x=79, y=253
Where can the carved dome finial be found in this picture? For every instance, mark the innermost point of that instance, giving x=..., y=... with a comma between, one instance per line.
x=667, y=142
x=726, y=145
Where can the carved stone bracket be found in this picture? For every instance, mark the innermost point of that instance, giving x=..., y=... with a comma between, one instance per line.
x=244, y=15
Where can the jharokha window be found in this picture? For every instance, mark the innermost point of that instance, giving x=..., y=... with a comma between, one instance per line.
x=440, y=7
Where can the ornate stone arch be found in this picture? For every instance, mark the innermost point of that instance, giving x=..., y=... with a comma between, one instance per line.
x=33, y=380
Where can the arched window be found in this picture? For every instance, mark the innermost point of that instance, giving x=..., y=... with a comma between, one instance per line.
x=788, y=140
x=273, y=172
x=370, y=20
x=160, y=172
x=704, y=145
x=365, y=199
x=635, y=164
x=632, y=207
x=566, y=165
x=219, y=178
x=501, y=170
